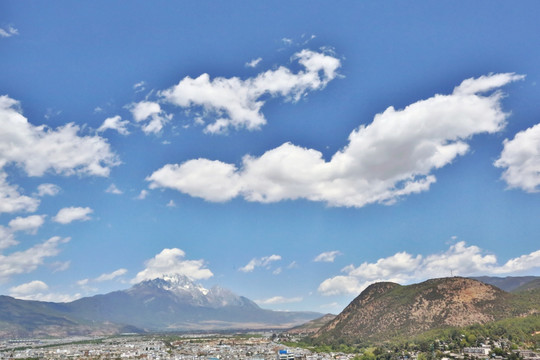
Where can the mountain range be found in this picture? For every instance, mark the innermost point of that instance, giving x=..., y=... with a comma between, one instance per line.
x=383, y=311
x=168, y=303
x=386, y=310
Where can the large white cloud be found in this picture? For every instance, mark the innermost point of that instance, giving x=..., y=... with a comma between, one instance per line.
x=395, y=155
x=37, y=149
x=172, y=262
x=403, y=267
x=28, y=260
x=521, y=160
x=237, y=103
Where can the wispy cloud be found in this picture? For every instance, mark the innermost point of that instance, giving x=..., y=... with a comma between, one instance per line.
x=103, y=277
x=264, y=261
x=112, y=189
x=8, y=32
x=253, y=63
x=142, y=195
x=26, y=261
x=139, y=87
x=328, y=256
x=279, y=300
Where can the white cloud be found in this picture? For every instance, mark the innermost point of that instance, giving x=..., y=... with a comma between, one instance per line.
x=10, y=31
x=328, y=256
x=392, y=157
x=150, y=114
x=54, y=297
x=37, y=149
x=237, y=103
x=253, y=63
x=110, y=276
x=26, y=261
x=171, y=203
x=142, y=195
x=83, y=282
x=212, y=180
x=112, y=189
x=520, y=264
x=341, y=285
x=69, y=214
x=403, y=268
x=48, y=189
x=264, y=261
x=6, y=238
x=387, y=267
x=58, y=266
x=140, y=86
x=287, y=41
x=35, y=290
x=11, y=199
x=28, y=288
x=292, y=265
x=279, y=300
x=521, y=160
x=115, y=123
x=172, y=262
x=29, y=224
x=330, y=305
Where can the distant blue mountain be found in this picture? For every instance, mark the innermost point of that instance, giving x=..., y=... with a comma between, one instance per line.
x=169, y=303
x=509, y=283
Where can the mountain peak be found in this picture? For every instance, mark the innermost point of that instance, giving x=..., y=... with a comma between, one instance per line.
x=175, y=283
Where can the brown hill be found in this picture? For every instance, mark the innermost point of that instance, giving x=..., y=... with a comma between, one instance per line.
x=311, y=327
x=387, y=310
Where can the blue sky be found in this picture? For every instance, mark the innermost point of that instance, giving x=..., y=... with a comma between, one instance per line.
x=291, y=152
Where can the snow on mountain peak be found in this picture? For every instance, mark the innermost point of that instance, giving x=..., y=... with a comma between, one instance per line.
x=175, y=282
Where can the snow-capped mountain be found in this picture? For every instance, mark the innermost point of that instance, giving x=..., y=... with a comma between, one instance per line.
x=185, y=291
x=174, y=302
